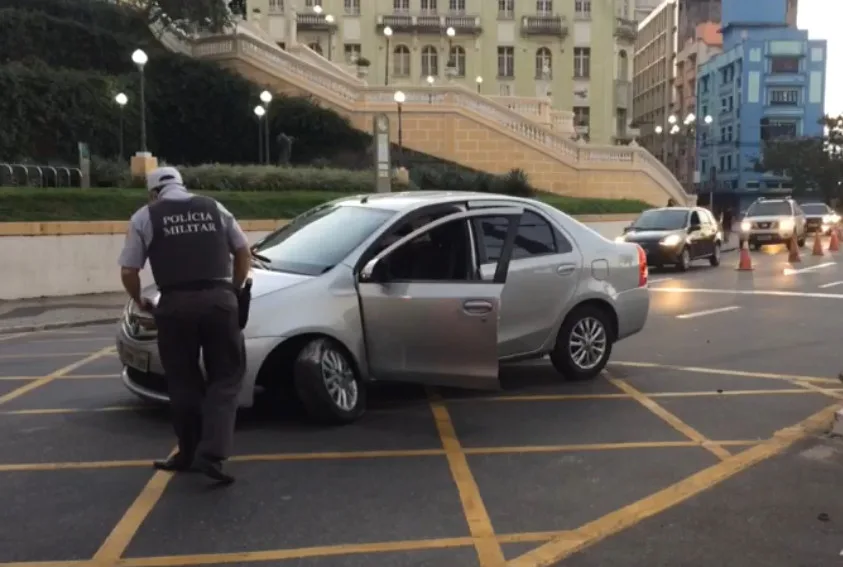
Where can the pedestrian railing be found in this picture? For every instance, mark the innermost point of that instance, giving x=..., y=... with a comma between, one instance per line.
x=29, y=175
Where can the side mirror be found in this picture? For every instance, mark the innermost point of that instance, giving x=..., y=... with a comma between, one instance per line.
x=374, y=271
x=627, y=229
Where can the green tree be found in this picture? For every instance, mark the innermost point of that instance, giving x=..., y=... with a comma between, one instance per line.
x=809, y=162
x=187, y=16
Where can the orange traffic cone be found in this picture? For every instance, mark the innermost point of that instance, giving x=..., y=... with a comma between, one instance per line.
x=834, y=241
x=745, y=262
x=793, y=249
x=818, y=244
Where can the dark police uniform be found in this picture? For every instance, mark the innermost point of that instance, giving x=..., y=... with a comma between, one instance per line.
x=188, y=240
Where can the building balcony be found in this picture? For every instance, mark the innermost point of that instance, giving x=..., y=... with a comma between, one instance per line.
x=314, y=22
x=626, y=30
x=623, y=94
x=428, y=23
x=544, y=25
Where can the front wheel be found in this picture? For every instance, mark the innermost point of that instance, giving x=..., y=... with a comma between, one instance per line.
x=715, y=256
x=801, y=242
x=684, y=260
x=584, y=344
x=328, y=384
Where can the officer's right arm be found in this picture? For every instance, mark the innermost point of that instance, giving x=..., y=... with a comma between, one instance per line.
x=134, y=254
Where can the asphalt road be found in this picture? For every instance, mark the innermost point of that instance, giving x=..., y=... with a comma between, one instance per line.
x=702, y=445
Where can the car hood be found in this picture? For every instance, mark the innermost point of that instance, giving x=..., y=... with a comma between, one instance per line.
x=649, y=235
x=263, y=282
x=765, y=219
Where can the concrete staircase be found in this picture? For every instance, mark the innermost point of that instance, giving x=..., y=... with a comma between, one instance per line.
x=493, y=134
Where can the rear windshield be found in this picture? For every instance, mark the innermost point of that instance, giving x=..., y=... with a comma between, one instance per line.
x=769, y=209
x=815, y=209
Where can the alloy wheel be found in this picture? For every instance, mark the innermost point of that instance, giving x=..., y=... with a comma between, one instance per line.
x=338, y=377
x=587, y=343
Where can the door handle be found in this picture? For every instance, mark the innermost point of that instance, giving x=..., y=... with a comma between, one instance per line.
x=565, y=269
x=478, y=307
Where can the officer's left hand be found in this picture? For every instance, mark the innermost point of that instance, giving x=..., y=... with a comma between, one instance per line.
x=147, y=305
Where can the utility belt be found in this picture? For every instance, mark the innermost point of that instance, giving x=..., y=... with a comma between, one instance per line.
x=197, y=285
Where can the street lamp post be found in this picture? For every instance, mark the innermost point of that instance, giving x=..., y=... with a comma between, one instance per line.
x=329, y=19
x=659, y=131
x=260, y=112
x=712, y=177
x=399, y=97
x=140, y=59
x=121, y=99
x=451, y=67
x=479, y=81
x=387, y=33
x=266, y=98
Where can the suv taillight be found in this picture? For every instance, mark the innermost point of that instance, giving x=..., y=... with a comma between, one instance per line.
x=643, y=270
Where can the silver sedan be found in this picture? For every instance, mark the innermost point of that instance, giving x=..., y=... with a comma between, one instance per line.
x=434, y=288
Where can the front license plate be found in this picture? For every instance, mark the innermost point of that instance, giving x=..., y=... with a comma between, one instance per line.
x=137, y=359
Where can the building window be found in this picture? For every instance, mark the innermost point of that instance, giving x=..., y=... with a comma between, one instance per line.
x=352, y=53
x=703, y=165
x=429, y=61
x=729, y=162
x=428, y=7
x=722, y=163
x=781, y=129
x=316, y=47
x=704, y=85
x=457, y=59
x=729, y=133
x=582, y=116
x=506, y=61
x=620, y=126
x=352, y=7
x=506, y=9
x=276, y=6
x=456, y=6
x=401, y=61
x=582, y=8
x=784, y=97
x=784, y=65
x=312, y=3
x=544, y=7
x=505, y=89
x=401, y=6
x=544, y=63
x=582, y=62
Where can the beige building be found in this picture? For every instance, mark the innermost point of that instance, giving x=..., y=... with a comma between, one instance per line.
x=654, y=75
x=576, y=52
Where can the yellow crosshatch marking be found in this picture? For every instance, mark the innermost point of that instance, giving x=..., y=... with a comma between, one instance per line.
x=553, y=546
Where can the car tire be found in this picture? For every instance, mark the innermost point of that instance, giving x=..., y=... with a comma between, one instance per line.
x=684, y=260
x=583, y=321
x=801, y=242
x=325, y=378
x=714, y=260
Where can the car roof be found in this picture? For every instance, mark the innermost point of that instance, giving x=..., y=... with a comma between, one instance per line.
x=408, y=200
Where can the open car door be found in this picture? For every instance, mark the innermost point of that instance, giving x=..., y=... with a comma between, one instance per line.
x=440, y=330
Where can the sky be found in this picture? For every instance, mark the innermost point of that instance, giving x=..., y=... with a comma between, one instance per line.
x=822, y=19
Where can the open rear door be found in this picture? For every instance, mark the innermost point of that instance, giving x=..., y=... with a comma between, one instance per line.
x=436, y=332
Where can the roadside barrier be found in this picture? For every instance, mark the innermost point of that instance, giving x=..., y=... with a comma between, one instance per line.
x=745, y=262
x=818, y=245
x=834, y=241
x=793, y=251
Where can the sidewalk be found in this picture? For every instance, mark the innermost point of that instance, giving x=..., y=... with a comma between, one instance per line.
x=58, y=312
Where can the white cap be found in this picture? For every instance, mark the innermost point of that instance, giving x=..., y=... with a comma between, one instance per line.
x=163, y=176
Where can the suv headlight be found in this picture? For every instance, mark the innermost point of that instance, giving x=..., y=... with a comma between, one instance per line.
x=786, y=224
x=746, y=226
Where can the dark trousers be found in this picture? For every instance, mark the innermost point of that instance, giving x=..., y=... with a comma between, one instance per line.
x=203, y=410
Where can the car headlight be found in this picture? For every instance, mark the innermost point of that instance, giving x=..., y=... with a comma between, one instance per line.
x=671, y=240
x=746, y=226
x=786, y=224
x=620, y=239
x=831, y=219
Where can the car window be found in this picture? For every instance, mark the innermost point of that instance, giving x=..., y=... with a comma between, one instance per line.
x=440, y=254
x=769, y=209
x=708, y=218
x=661, y=219
x=695, y=219
x=816, y=209
x=535, y=237
x=320, y=239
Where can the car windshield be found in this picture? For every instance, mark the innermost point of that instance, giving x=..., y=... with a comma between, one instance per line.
x=815, y=209
x=769, y=209
x=316, y=241
x=661, y=219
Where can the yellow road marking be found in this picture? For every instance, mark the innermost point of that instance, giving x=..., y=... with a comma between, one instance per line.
x=18, y=392
x=68, y=377
x=720, y=371
x=59, y=411
x=619, y=396
x=350, y=455
x=556, y=550
x=121, y=536
x=671, y=419
x=488, y=548
x=51, y=354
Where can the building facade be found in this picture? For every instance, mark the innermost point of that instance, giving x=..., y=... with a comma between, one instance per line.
x=654, y=76
x=768, y=83
x=576, y=52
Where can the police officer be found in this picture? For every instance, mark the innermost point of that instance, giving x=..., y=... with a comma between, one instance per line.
x=189, y=240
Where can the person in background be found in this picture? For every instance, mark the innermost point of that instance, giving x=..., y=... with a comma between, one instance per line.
x=189, y=241
x=728, y=222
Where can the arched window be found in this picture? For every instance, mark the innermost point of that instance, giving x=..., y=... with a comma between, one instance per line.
x=401, y=61
x=457, y=59
x=429, y=61
x=544, y=63
x=316, y=47
x=623, y=66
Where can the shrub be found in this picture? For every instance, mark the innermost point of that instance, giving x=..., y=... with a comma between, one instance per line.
x=213, y=177
x=452, y=179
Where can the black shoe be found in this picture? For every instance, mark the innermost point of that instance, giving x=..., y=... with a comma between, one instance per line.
x=213, y=470
x=176, y=463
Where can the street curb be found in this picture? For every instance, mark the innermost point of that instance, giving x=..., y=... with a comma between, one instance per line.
x=57, y=325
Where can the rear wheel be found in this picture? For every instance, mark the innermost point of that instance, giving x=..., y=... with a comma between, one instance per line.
x=584, y=344
x=715, y=256
x=327, y=383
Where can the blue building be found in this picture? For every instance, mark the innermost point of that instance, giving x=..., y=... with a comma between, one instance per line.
x=768, y=82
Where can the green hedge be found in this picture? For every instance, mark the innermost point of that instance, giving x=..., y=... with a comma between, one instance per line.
x=33, y=204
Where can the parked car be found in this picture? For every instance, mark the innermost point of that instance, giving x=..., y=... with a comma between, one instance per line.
x=773, y=221
x=676, y=236
x=435, y=288
x=820, y=218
